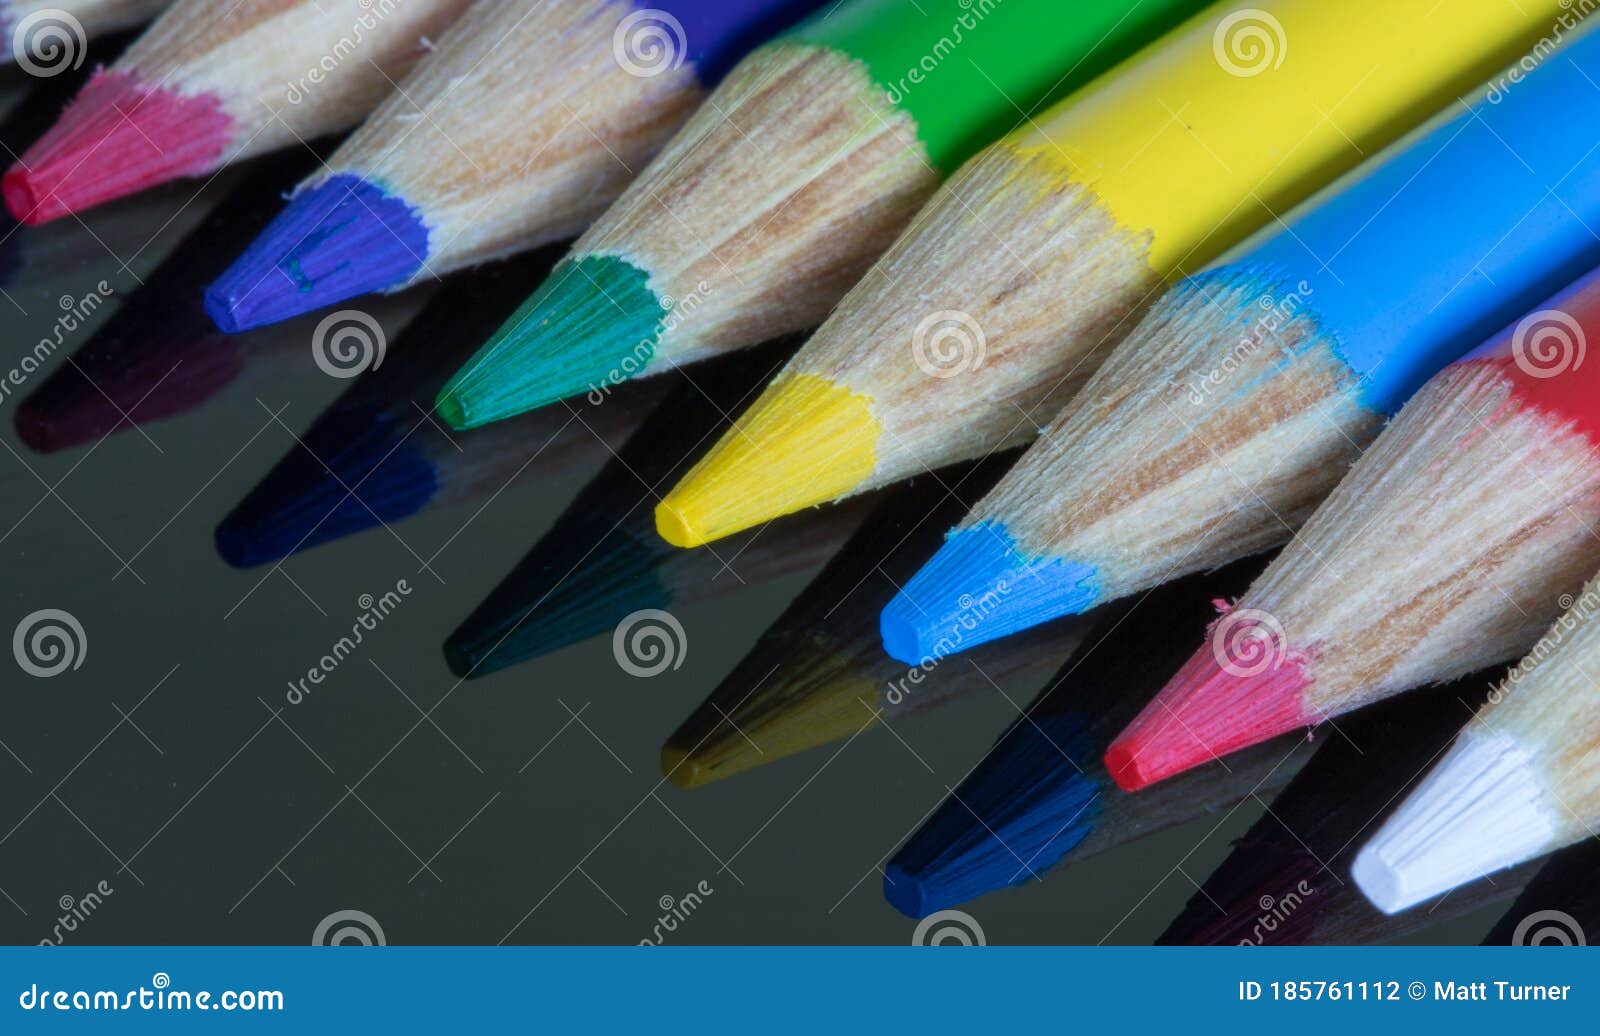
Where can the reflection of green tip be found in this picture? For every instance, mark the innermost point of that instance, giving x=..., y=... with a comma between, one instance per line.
x=580, y=581
x=593, y=324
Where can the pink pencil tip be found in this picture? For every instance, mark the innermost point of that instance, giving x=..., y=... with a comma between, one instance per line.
x=1215, y=705
x=116, y=138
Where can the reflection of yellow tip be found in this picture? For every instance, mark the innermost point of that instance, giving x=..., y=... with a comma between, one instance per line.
x=679, y=767
x=806, y=441
x=821, y=716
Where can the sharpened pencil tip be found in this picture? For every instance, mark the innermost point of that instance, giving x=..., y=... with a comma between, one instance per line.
x=453, y=412
x=1484, y=807
x=343, y=238
x=806, y=441
x=591, y=326
x=978, y=588
x=1244, y=686
x=118, y=137
x=674, y=526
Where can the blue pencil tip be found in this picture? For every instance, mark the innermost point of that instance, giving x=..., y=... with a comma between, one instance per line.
x=977, y=588
x=356, y=470
x=343, y=238
x=1020, y=812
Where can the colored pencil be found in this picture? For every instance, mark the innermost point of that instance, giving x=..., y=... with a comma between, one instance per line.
x=799, y=173
x=817, y=676
x=1236, y=404
x=36, y=109
x=376, y=456
x=1287, y=880
x=602, y=561
x=1559, y=907
x=1442, y=552
x=210, y=84
x=158, y=355
x=1522, y=780
x=523, y=125
x=1040, y=798
x=1022, y=271
x=50, y=35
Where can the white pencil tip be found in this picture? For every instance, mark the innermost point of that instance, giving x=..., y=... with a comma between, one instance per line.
x=1480, y=810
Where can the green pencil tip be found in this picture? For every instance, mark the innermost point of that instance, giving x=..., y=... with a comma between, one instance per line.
x=592, y=325
x=452, y=412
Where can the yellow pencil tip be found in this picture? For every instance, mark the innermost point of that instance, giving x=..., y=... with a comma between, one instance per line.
x=806, y=441
x=673, y=526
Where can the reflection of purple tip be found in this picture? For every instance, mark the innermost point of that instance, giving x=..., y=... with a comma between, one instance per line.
x=340, y=239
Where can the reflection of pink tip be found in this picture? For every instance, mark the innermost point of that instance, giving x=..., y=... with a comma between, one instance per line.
x=1206, y=712
x=116, y=138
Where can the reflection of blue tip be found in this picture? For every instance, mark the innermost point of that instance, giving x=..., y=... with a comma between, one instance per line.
x=342, y=238
x=378, y=475
x=979, y=588
x=1025, y=807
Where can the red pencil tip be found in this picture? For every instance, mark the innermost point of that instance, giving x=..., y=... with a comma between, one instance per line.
x=116, y=138
x=1217, y=703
